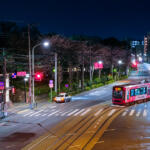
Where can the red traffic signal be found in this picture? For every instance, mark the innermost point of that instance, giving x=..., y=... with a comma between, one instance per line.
x=38, y=76
x=134, y=63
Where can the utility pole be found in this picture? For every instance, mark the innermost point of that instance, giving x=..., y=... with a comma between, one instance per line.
x=55, y=72
x=30, y=73
x=90, y=66
x=4, y=75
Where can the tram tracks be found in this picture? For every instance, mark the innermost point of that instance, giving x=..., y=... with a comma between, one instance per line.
x=77, y=132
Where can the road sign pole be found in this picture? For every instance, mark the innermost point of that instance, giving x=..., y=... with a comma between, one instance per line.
x=51, y=85
x=51, y=94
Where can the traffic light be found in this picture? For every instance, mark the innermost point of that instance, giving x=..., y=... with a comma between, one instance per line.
x=134, y=63
x=38, y=76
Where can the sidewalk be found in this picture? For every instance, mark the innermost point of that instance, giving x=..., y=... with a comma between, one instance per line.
x=13, y=108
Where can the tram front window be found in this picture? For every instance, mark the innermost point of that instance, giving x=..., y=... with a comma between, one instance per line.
x=118, y=93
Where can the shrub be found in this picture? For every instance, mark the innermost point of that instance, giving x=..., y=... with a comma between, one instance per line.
x=87, y=88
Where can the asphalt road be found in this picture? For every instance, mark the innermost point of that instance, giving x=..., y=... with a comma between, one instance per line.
x=24, y=125
x=90, y=121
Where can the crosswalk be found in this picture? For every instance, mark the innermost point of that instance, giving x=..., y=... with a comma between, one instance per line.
x=134, y=112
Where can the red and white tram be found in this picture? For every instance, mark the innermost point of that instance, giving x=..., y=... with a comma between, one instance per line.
x=130, y=93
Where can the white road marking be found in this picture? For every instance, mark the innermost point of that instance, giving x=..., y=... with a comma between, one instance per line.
x=79, y=112
x=89, y=109
x=43, y=114
x=53, y=113
x=111, y=112
x=35, y=113
x=124, y=113
x=131, y=112
x=138, y=113
x=98, y=112
x=64, y=113
x=72, y=112
x=29, y=113
x=53, y=107
x=144, y=113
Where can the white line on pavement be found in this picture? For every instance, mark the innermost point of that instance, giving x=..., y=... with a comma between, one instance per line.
x=98, y=112
x=131, y=112
x=35, y=113
x=43, y=115
x=31, y=112
x=89, y=109
x=72, y=112
x=144, y=113
x=111, y=112
x=138, y=113
x=79, y=112
x=53, y=113
x=124, y=113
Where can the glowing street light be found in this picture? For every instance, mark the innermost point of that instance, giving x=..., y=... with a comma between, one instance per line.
x=140, y=59
x=100, y=62
x=45, y=44
x=119, y=62
x=25, y=79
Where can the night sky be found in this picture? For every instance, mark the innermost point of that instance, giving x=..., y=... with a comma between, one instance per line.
x=104, y=18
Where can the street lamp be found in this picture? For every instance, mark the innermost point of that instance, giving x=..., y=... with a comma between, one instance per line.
x=25, y=80
x=140, y=59
x=119, y=62
x=100, y=67
x=45, y=44
x=100, y=62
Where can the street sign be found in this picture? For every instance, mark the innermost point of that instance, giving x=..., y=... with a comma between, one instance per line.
x=50, y=81
x=51, y=85
x=13, y=75
x=21, y=74
x=1, y=85
x=98, y=65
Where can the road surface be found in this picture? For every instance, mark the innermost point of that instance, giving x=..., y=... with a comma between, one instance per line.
x=90, y=121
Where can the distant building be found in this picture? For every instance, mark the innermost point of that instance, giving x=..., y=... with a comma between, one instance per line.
x=137, y=47
x=147, y=47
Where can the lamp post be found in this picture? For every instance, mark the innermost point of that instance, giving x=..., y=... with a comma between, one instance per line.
x=100, y=63
x=25, y=80
x=119, y=62
x=45, y=44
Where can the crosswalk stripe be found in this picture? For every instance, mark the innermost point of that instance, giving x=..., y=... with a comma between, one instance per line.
x=53, y=113
x=111, y=112
x=28, y=114
x=98, y=112
x=144, y=113
x=35, y=113
x=43, y=115
x=64, y=113
x=138, y=113
x=124, y=113
x=72, y=112
x=131, y=112
x=89, y=109
x=79, y=112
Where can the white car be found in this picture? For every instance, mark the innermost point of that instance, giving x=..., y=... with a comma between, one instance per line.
x=62, y=97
